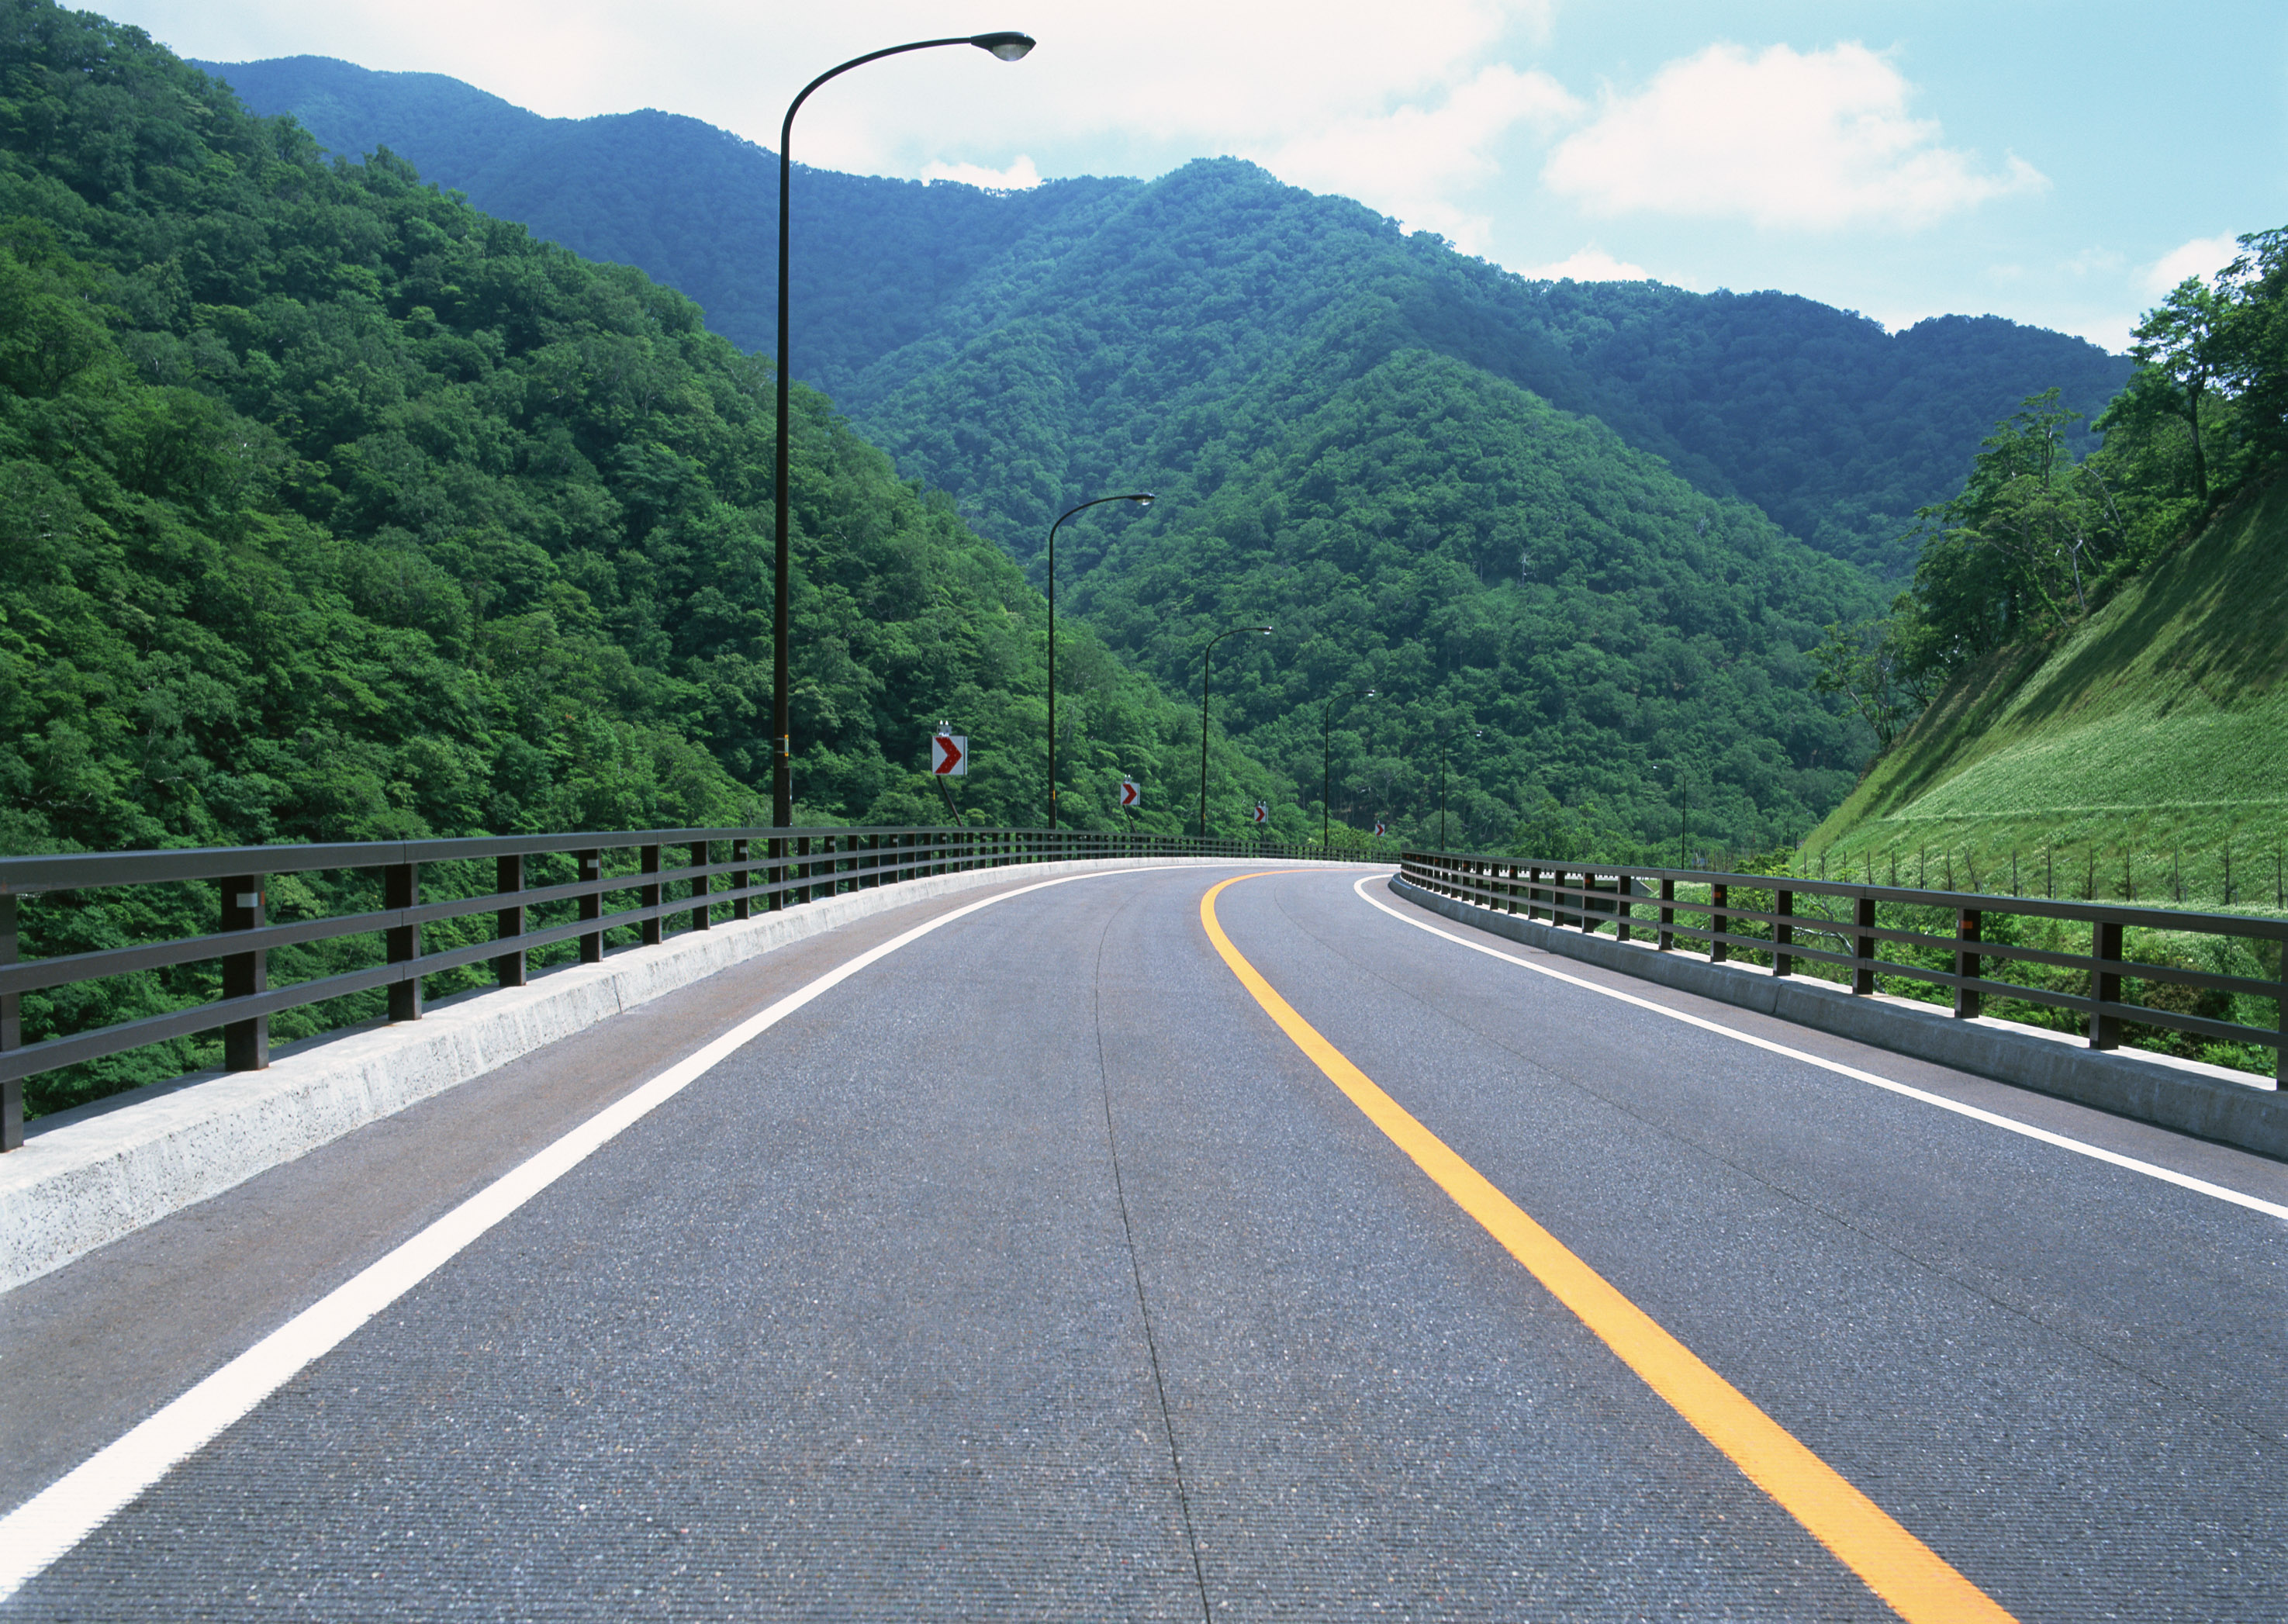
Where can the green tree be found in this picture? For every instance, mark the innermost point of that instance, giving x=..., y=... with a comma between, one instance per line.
x=2179, y=348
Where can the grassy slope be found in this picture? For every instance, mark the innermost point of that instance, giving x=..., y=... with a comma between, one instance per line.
x=2157, y=733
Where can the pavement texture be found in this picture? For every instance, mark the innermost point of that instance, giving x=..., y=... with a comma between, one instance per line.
x=1032, y=1272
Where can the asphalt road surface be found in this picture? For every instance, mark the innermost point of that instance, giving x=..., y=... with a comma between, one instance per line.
x=1032, y=1271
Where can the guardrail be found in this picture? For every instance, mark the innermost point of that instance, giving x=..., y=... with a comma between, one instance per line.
x=1591, y=897
x=727, y=873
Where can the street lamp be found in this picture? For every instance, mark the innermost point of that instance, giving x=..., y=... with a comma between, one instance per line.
x=1443, y=743
x=1204, y=652
x=1008, y=47
x=1327, y=762
x=1142, y=499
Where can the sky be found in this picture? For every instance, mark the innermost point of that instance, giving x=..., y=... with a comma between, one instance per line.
x=2063, y=165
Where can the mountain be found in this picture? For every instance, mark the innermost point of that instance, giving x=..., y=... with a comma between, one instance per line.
x=1836, y=429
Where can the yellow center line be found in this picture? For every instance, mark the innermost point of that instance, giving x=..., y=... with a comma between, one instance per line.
x=1910, y=1577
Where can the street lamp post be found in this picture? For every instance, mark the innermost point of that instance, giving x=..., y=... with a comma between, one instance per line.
x=1204, y=652
x=1327, y=764
x=1443, y=746
x=1008, y=47
x=1142, y=499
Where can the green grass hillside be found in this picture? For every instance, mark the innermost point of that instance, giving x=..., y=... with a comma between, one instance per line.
x=2149, y=744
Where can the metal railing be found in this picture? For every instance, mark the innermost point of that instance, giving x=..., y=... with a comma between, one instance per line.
x=1859, y=946
x=726, y=874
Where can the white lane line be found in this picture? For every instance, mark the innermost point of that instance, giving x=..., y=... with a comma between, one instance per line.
x=2097, y=1152
x=45, y=1527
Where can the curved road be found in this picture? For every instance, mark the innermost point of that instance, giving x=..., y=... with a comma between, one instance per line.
x=1032, y=1270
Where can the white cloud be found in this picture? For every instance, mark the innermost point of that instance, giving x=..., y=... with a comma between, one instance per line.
x=1590, y=264
x=1817, y=140
x=1409, y=160
x=1018, y=176
x=2202, y=257
x=1141, y=87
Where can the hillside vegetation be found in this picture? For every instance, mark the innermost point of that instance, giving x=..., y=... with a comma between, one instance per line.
x=2100, y=641
x=2153, y=735
x=336, y=508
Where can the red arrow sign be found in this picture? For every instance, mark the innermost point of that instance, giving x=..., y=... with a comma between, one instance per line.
x=1262, y=813
x=952, y=755
x=1380, y=829
x=1130, y=794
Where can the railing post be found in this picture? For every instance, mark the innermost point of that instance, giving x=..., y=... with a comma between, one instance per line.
x=1588, y=890
x=1782, y=933
x=1667, y=940
x=1719, y=921
x=1968, y=924
x=1862, y=946
x=2105, y=984
x=1621, y=908
x=590, y=865
x=802, y=850
x=245, y=1043
x=647, y=896
x=703, y=911
x=508, y=968
x=739, y=880
x=401, y=888
x=2280, y=1024
x=12, y=1034
x=774, y=875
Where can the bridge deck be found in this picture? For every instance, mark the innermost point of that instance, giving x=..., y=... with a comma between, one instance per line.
x=1033, y=1271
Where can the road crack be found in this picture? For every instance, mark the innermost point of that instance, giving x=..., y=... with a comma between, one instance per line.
x=1136, y=1270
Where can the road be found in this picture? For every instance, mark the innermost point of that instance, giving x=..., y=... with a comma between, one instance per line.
x=1032, y=1270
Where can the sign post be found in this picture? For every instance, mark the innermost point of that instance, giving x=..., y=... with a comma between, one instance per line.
x=949, y=758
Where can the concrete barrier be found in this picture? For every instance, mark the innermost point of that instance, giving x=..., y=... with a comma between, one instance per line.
x=92, y=1173
x=2183, y=1095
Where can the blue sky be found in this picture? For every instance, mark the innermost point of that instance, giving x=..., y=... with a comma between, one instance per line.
x=2057, y=163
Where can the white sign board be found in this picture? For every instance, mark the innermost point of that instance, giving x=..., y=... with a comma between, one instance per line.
x=1380, y=829
x=1262, y=813
x=1132, y=794
x=949, y=755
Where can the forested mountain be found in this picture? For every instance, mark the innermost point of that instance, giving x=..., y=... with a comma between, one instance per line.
x=905, y=296
x=331, y=508
x=1552, y=624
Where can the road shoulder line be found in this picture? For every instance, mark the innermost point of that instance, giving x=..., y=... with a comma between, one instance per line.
x=1976, y=1113
x=53, y=1521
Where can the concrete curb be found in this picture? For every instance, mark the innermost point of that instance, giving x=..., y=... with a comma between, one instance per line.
x=89, y=1175
x=2178, y=1095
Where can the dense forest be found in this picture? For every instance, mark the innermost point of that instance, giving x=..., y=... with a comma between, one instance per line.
x=912, y=299
x=337, y=509
x=1572, y=640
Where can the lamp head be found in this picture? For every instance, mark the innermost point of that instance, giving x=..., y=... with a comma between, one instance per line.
x=1008, y=47
x=1143, y=499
